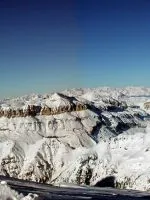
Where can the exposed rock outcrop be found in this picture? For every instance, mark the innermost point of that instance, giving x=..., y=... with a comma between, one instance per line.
x=33, y=110
x=147, y=105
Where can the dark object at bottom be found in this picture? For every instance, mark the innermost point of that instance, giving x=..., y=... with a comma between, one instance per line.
x=106, y=182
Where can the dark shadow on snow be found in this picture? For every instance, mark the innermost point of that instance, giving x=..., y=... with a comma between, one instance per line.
x=106, y=182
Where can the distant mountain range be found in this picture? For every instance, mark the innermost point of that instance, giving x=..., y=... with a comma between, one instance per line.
x=93, y=134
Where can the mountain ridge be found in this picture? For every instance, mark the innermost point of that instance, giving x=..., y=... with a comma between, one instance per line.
x=82, y=146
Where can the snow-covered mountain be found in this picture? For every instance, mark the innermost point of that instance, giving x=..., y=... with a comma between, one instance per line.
x=77, y=136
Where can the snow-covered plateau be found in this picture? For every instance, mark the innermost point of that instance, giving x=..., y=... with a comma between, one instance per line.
x=78, y=136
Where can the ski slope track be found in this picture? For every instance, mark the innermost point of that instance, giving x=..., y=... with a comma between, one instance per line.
x=98, y=136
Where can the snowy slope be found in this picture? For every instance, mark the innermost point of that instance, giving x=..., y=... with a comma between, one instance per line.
x=7, y=193
x=109, y=138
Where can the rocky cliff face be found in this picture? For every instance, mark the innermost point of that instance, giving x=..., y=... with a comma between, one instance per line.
x=78, y=144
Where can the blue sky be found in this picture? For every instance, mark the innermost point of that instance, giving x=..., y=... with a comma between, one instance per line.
x=50, y=45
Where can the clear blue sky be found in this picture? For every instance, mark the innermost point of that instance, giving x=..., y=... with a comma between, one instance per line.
x=50, y=45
